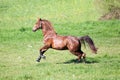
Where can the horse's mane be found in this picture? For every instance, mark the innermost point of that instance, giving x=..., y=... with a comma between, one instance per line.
x=48, y=23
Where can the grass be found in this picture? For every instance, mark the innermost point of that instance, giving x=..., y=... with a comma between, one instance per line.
x=19, y=46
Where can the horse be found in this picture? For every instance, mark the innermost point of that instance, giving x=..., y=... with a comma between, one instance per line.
x=53, y=40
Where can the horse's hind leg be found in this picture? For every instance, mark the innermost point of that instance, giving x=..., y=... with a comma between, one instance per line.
x=84, y=57
x=80, y=55
x=42, y=51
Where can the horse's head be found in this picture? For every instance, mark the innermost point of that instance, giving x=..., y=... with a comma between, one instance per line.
x=38, y=25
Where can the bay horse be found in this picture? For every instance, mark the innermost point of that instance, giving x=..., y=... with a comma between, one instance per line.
x=53, y=40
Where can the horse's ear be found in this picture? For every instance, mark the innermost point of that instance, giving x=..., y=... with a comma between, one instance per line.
x=40, y=19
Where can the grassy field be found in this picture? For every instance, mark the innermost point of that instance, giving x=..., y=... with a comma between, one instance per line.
x=19, y=46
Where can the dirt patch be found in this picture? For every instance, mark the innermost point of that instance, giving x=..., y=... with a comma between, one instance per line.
x=113, y=14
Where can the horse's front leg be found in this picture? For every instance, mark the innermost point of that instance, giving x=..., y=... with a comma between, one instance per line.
x=42, y=51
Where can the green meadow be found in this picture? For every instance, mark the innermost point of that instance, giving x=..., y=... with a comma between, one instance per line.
x=19, y=46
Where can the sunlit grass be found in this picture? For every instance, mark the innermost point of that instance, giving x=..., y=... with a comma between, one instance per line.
x=19, y=46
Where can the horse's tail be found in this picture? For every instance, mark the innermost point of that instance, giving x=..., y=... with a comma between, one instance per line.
x=90, y=42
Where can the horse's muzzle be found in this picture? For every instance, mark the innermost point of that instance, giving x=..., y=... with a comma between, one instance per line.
x=33, y=30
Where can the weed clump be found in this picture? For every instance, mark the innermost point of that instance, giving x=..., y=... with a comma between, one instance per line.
x=22, y=29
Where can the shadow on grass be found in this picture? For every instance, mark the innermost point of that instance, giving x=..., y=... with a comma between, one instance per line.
x=88, y=61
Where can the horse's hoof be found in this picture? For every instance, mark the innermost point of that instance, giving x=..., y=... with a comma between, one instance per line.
x=84, y=61
x=44, y=57
x=38, y=60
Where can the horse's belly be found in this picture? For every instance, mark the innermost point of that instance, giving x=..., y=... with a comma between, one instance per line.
x=59, y=45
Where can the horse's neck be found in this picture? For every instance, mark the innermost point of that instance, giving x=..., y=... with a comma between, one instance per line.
x=47, y=30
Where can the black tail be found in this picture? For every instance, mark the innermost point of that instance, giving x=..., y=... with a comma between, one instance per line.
x=87, y=39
